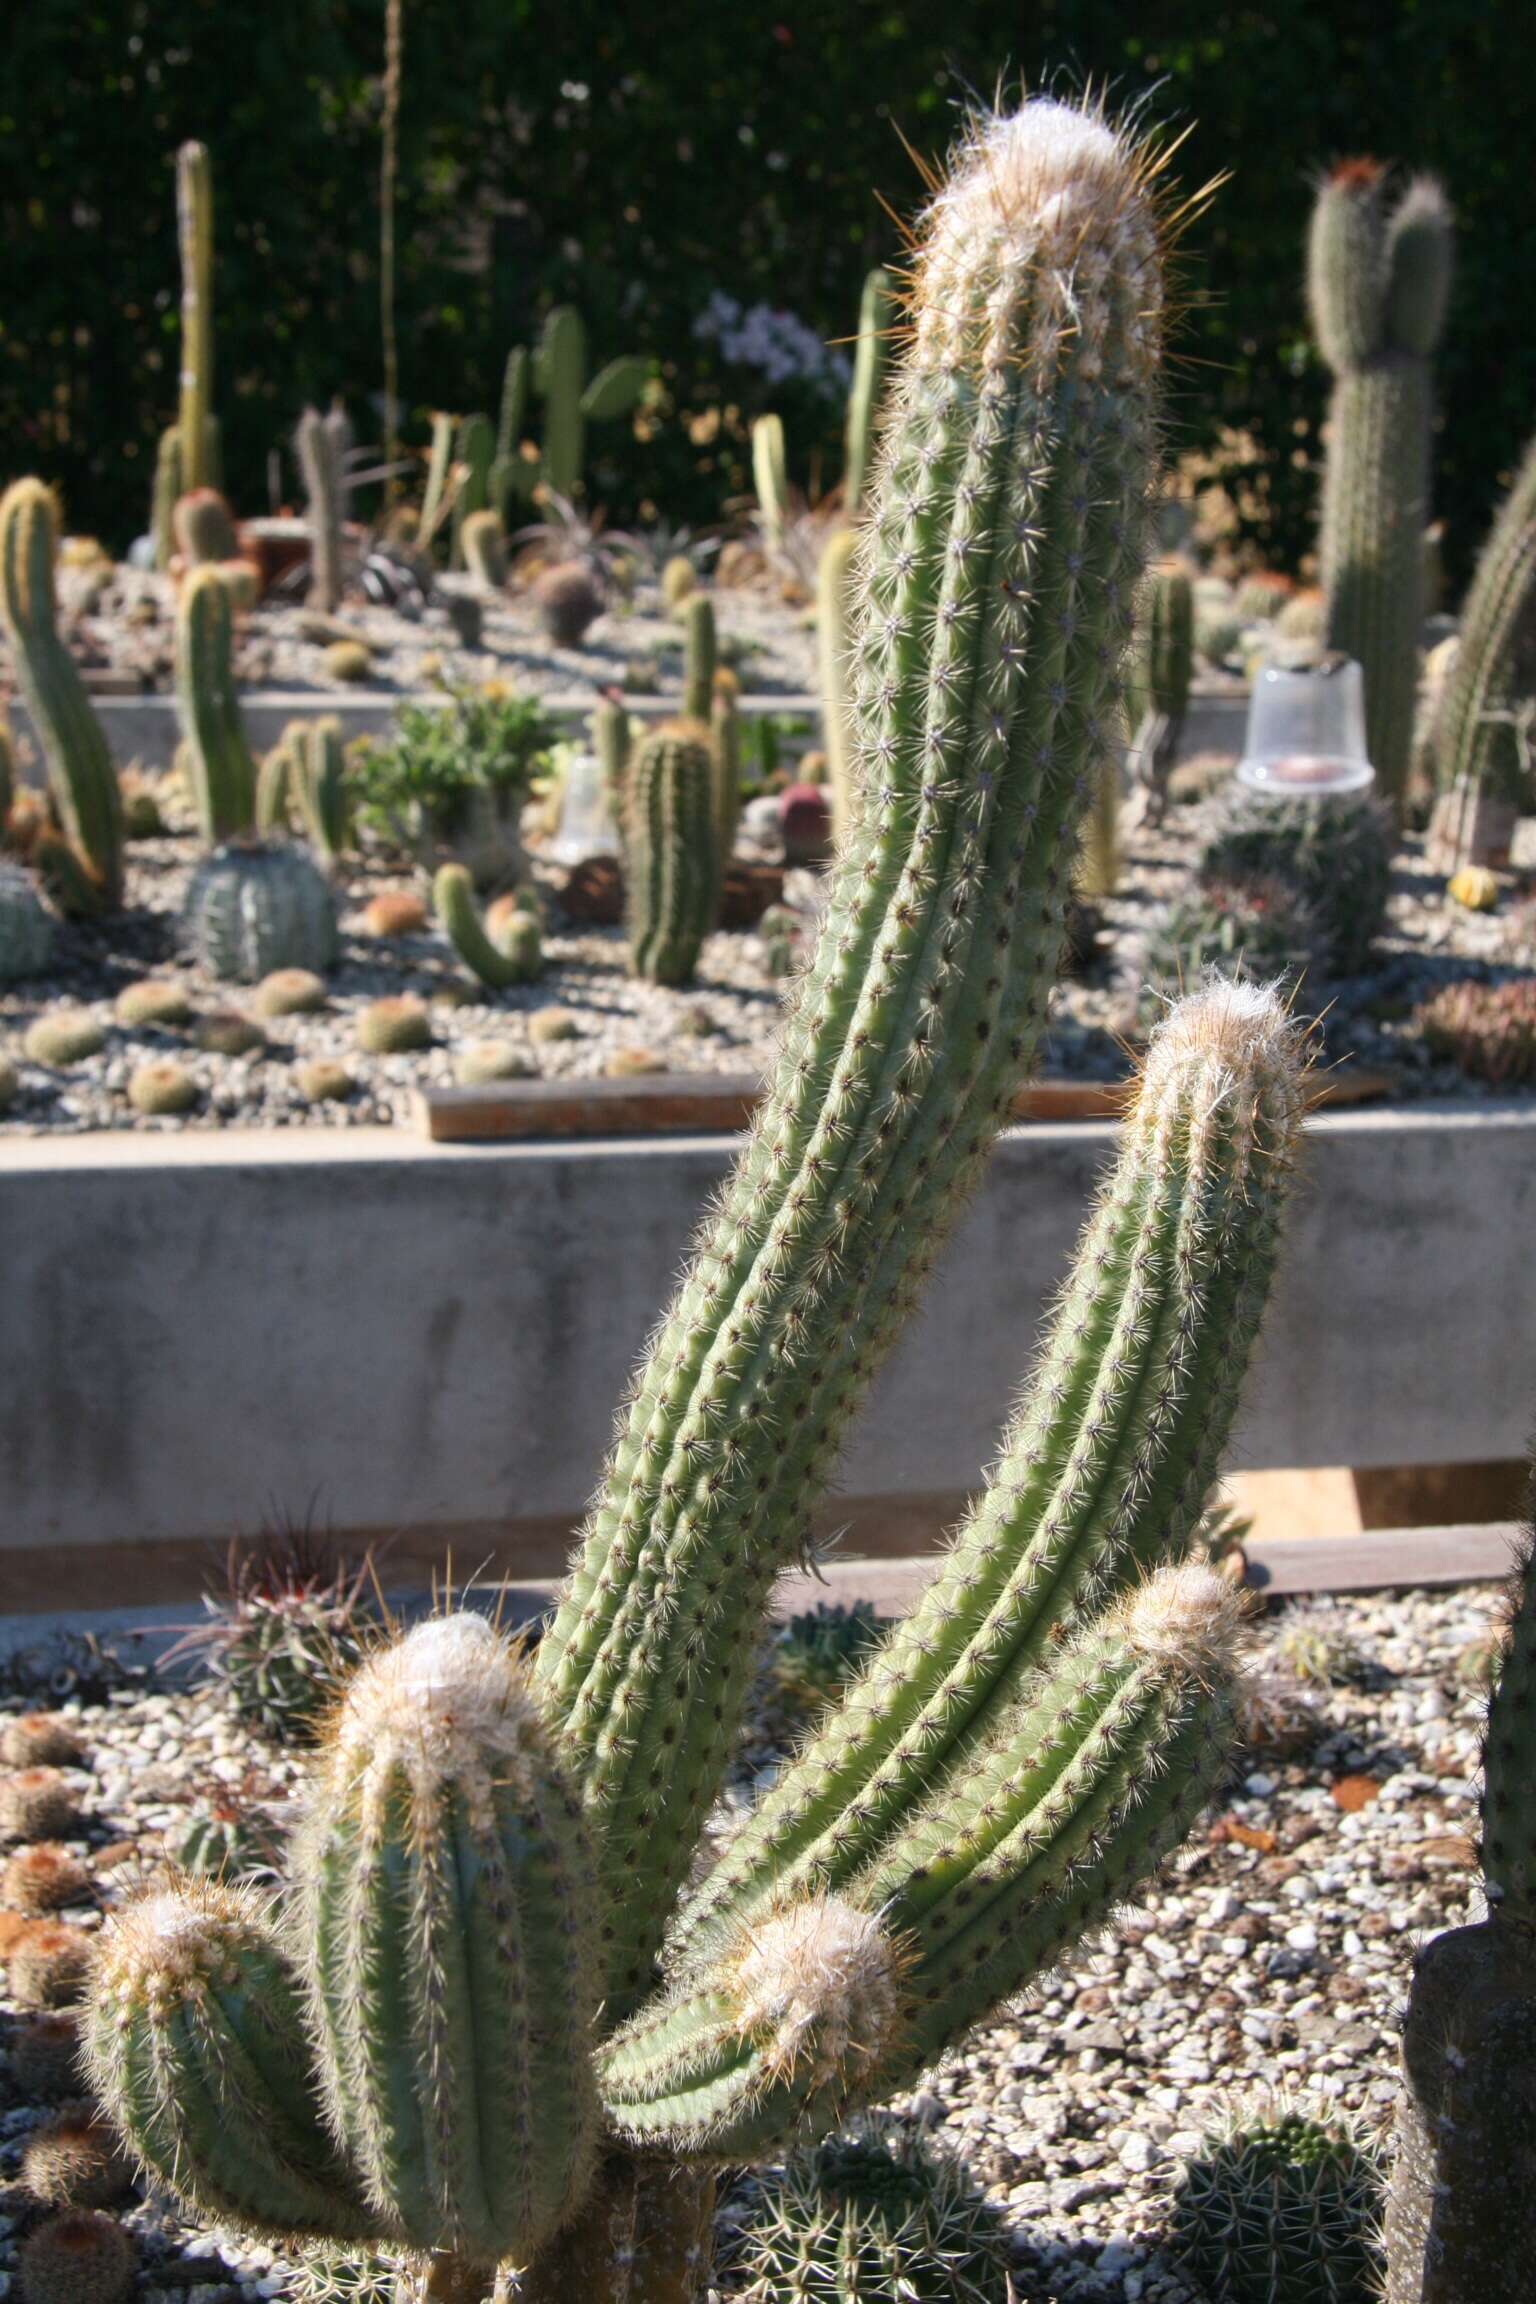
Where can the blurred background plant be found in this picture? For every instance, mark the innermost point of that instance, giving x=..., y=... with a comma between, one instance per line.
x=674, y=187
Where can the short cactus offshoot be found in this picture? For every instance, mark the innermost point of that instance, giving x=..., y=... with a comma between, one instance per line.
x=531, y=2037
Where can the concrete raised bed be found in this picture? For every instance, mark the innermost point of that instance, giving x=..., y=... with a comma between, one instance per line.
x=428, y=1341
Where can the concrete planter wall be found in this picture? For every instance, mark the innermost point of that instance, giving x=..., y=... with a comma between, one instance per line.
x=197, y=1329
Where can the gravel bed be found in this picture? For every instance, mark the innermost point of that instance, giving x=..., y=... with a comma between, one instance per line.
x=126, y=629
x=725, y=1022
x=1275, y=1953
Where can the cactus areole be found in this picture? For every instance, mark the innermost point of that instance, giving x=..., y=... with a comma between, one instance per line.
x=508, y=2025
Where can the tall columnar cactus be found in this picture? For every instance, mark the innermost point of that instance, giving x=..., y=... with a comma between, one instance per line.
x=439, y=473
x=671, y=856
x=317, y=779
x=1461, y=2216
x=474, y=453
x=497, y=1852
x=1494, y=669
x=483, y=542
x=770, y=477
x=698, y=656
x=1158, y=676
x=81, y=777
x=320, y=444
x=167, y=492
x=512, y=475
x=871, y=360
x=725, y=751
x=610, y=741
x=571, y=401
x=837, y=579
x=1378, y=275
x=219, y=764
x=194, y=232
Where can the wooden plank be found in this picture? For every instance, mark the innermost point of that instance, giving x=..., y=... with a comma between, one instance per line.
x=699, y=1103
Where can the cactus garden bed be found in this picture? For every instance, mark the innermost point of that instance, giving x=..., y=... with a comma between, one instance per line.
x=1272, y=1954
x=587, y=1017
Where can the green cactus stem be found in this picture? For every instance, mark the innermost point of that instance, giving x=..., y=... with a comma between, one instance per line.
x=81, y=779
x=836, y=596
x=725, y=753
x=1476, y=743
x=870, y=361
x=986, y=702
x=512, y=474
x=446, y=1888
x=671, y=857
x=319, y=782
x=1378, y=276
x=770, y=478
x=221, y=772
x=610, y=741
x=319, y=446
x=571, y=402
x=474, y=452
x=483, y=542
x=194, y=232
x=439, y=475
x=204, y=529
x=513, y=956
x=698, y=657
x=167, y=490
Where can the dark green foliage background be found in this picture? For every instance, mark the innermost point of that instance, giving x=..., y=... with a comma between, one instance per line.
x=637, y=159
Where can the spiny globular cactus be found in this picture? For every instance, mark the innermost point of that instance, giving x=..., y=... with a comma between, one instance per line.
x=533, y=2038
x=26, y=930
x=219, y=766
x=1461, y=2214
x=671, y=855
x=253, y=907
x=1283, y=2208
x=86, y=868
x=1378, y=275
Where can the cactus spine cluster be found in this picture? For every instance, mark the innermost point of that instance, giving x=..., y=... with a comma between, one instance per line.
x=220, y=770
x=1494, y=667
x=321, y=444
x=671, y=853
x=498, y=1853
x=194, y=231
x=1378, y=276
x=1461, y=2214
x=87, y=868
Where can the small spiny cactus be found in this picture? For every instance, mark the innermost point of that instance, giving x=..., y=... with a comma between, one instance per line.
x=671, y=854
x=78, y=2257
x=1282, y=2209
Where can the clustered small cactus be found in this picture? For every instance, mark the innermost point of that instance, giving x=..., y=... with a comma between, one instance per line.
x=1378, y=279
x=508, y=2025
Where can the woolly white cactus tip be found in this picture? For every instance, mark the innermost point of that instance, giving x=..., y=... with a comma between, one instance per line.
x=818, y=1986
x=177, y=1931
x=1189, y=1618
x=1229, y=1031
x=453, y=1672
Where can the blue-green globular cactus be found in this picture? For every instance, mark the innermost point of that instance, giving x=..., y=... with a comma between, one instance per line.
x=495, y=1897
x=26, y=930
x=255, y=906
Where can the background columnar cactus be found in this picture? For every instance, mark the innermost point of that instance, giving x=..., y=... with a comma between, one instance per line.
x=317, y=779
x=571, y=402
x=499, y=1853
x=87, y=873
x=1493, y=670
x=698, y=657
x=1158, y=677
x=167, y=490
x=1378, y=276
x=483, y=541
x=610, y=740
x=836, y=581
x=1461, y=2214
x=512, y=954
x=474, y=453
x=218, y=764
x=194, y=232
x=877, y=310
x=512, y=475
x=254, y=907
x=671, y=854
x=725, y=752
x=321, y=444
x=770, y=476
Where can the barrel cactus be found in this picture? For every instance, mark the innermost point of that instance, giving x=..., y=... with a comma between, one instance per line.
x=26, y=930
x=217, y=759
x=88, y=873
x=1378, y=276
x=256, y=906
x=671, y=854
x=532, y=2030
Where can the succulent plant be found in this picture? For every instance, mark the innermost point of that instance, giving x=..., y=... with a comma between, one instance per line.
x=318, y=780
x=1474, y=738
x=218, y=762
x=1335, y=855
x=671, y=855
x=194, y=234
x=871, y=359
x=1161, y=666
x=836, y=580
x=223, y=1842
x=811, y=1659
x=679, y=581
x=290, y=992
x=64, y=1036
x=42, y=2051
x=87, y=873
x=1487, y=1030
x=568, y=599
x=394, y=1027
x=572, y=400
x=348, y=661
x=49, y=1966
x=869, y=2216
x=321, y=444
x=167, y=490
x=256, y=907
x=699, y=653
x=770, y=478
x=281, y=1637
x=162, y=1089
x=44, y=1877
x=40, y=1740
x=1378, y=275
x=26, y=930
x=484, y=540
x=498, y=1848
x=610, y=741
x=78, y=2257
x=38, y=1803
x=1258, y=930
x=480, y=1062
x=514, y=954
x=74, y=2161
x=1282, y=2208
x=153, y=1001
x=1461, y=2214
x=324, y=1080
x=204, y=529
x=1316, y=1644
